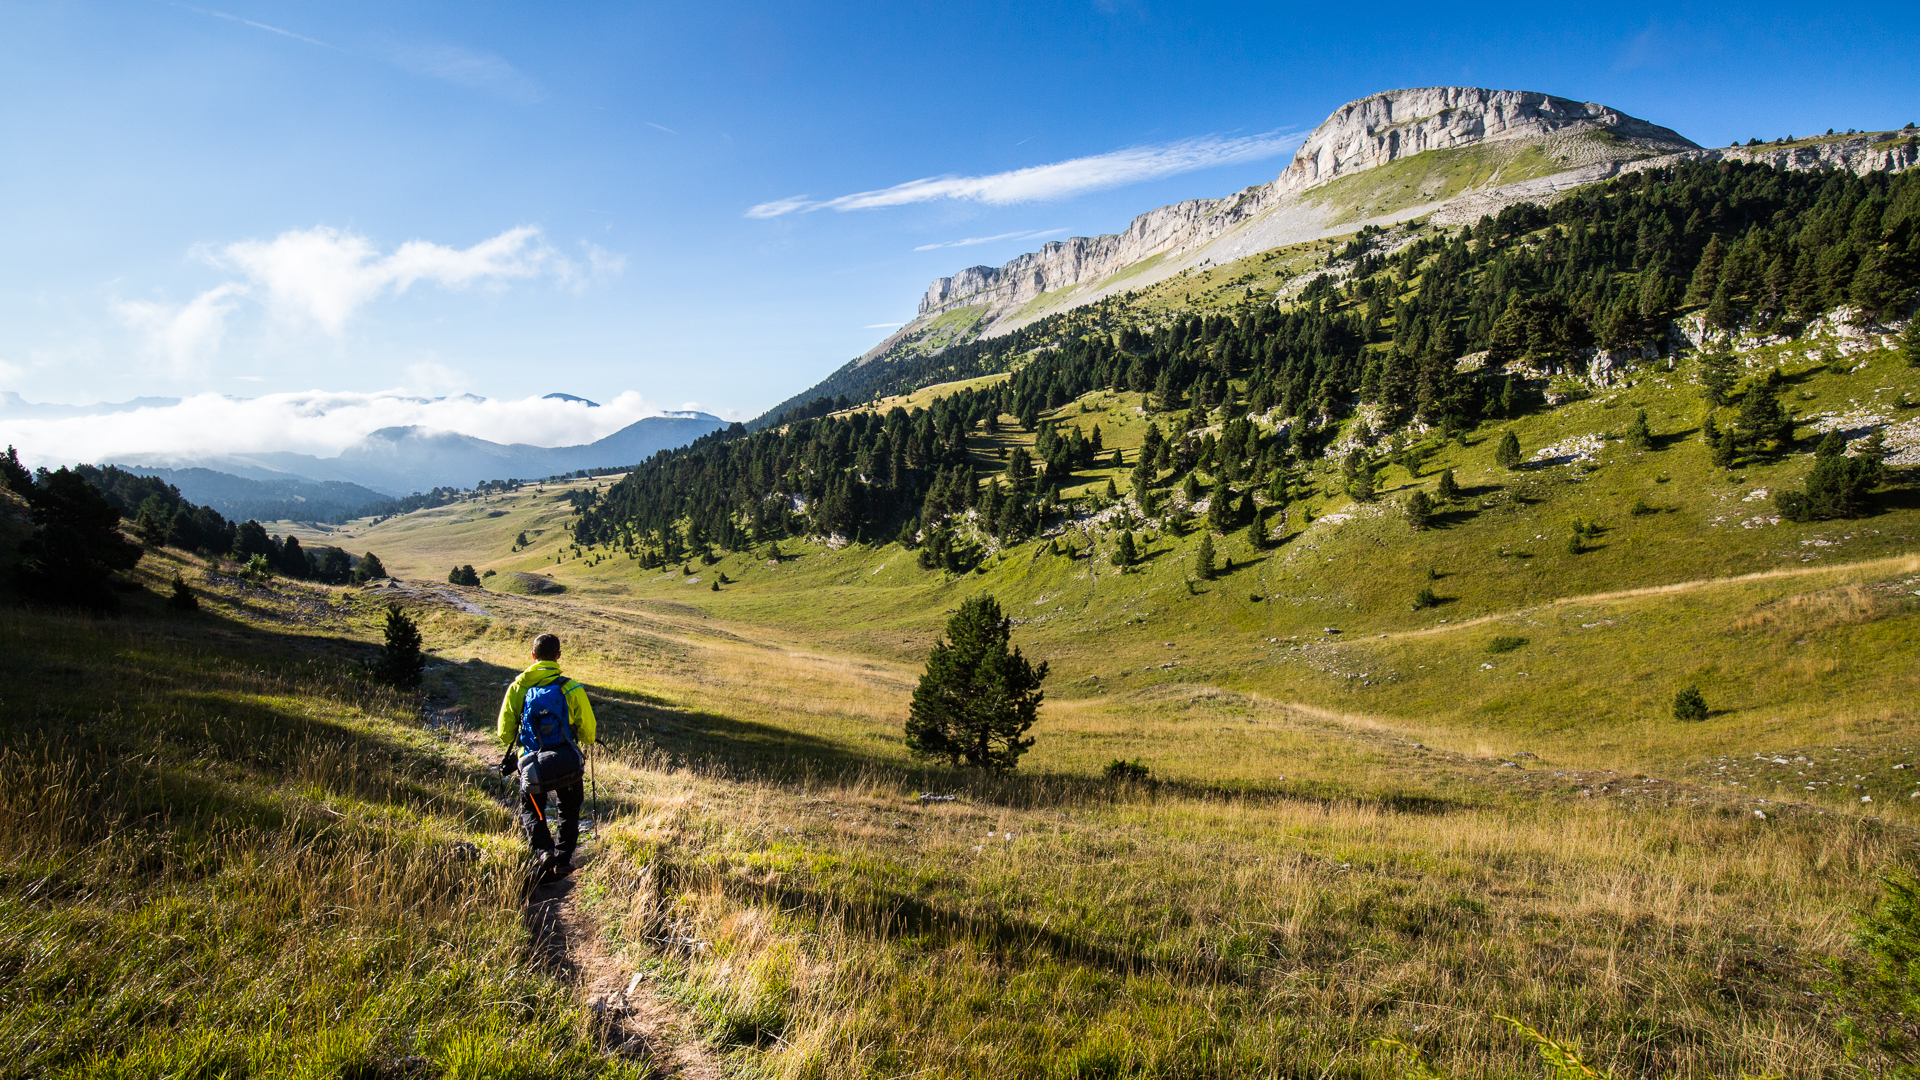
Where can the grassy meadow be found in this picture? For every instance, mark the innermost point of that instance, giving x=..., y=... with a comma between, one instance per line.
x=1364, y=821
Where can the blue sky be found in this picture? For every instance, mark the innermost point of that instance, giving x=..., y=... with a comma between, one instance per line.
x=250, y=198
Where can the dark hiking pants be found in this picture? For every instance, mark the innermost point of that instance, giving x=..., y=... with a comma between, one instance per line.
x=561, y=808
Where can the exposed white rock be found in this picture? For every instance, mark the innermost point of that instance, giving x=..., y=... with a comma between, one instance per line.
x=1360, y=135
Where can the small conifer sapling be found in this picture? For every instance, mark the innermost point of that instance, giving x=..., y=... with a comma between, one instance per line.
x=400, y=661
x=1688, y=705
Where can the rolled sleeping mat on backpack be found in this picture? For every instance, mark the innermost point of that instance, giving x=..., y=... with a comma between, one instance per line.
x=550, y=769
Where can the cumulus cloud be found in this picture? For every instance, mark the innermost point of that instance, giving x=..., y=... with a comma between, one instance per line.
x=972, y=240
x=324, y=274
x=1060, y=180
x=184, y=336
x=317, y=422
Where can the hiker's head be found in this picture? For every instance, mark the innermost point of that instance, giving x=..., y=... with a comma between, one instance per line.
x=546, y=647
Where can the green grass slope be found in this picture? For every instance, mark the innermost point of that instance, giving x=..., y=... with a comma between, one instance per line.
x=227, y=857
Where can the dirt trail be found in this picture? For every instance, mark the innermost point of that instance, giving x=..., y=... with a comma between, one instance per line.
x=1902, y=563
x=629, y=1018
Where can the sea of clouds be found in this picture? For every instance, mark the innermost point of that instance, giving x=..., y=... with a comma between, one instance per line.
x=318, y=422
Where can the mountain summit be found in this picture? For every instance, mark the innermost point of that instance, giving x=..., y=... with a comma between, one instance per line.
x=1470, y=140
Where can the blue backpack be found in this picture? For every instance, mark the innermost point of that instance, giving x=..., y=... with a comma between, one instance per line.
x=548, y=757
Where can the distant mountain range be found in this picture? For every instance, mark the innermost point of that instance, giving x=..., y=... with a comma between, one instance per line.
x=397, y=461
x=239, y=498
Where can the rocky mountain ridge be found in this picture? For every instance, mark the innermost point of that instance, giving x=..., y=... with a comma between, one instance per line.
x=1572, y=144
x=1361, y=135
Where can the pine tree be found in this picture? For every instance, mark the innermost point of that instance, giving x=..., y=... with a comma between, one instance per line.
x=1839, y=486
x=1362, y=487
x=1203, y=558
x=1419, y=510
x=1124, y=553
x=1717, y=377
x=1763, y=420
x=1909, y=343
x=1706, y=273
x=1448, y=489
x=1507, y=453
x=75, y=545
x=1220, y=509
x=182, y=598
x=978, y=697
x=1689, y=706
x=1726, y=449
x=400, y=661
x=369, y=568
x=1639, y=436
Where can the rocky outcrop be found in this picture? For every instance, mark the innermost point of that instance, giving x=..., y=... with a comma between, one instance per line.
x=1889, y=151
x=1360, y=135
x=1374, y=131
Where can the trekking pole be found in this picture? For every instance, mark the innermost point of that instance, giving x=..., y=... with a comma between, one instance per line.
x=593, y=781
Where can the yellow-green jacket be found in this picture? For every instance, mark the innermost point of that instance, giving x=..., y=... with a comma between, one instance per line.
x=579, y=709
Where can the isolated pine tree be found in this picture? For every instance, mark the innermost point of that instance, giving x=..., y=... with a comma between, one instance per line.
x=182, y=598
x=1419, y=510
x=1507, y=453
x=1639, y=435
x=978, y=697
x=1448, y=489
x=1203, y=558
x=1689, y=705
x=1124, y=553
x=400, y=661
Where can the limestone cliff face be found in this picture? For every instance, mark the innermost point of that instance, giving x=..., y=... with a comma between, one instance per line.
x=1377, y=130
x=1360, y=135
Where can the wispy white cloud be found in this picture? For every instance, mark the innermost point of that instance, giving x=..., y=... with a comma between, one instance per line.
x=186, y=336
x=882, y=325
x=318, y=422
x=1041, y=183
x=323, y=275
x=471, y=68
x=662, y=127
x=263, y=26
x=972, y=240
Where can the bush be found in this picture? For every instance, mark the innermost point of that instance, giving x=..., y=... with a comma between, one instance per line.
x=463, y=575
x=1640, y=508
x=1127, y=772
x=1425, y=599
x=1505, y=643
x=1449, y=488
x=1689, y=705
x=1576, y=543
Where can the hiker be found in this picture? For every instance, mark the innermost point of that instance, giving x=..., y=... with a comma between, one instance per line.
x=544, y=720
